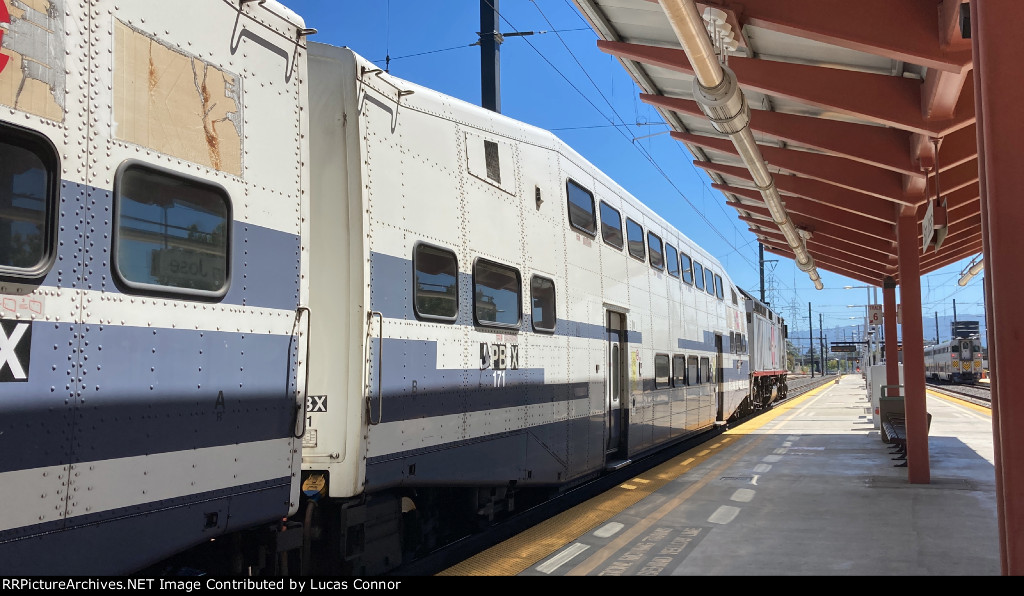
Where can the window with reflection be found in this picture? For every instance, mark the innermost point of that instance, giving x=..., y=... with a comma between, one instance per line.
x=678, y=370
x=687, y=267
x=654, y=245
x=496, y=294
x=672, y=260
x=436, y=272
x=581, y=208
x=719, y=290
x=709, y=281
x=172, y=232
x=542, y=293
x=635, y=239
x=698, y=275
x=705, y=371
x=28, y=197
x=611, y=226
x=661, y=372
x=693, y=371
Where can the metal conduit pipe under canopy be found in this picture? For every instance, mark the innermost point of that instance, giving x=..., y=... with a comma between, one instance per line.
x=719, y=96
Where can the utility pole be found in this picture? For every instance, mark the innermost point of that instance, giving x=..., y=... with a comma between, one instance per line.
x=936, y=327
x=760, y=260
x=821, y=344
x=810, y=327
x=490, y=61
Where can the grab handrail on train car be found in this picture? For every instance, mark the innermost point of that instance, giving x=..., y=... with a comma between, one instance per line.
x=380, y=369
x=302, y=404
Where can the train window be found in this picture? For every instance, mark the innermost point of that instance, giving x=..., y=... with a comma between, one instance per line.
x=611, y=226
x=719, y=290
x=635, y=239
x=496, y=294
x=542, y=293
x=705, y=370
x=654, y=245
x=436, y=272
x=581, y=208
x=172, y=233
x=660, y=371
x=735, y=300
x=672, y=258
x=29, y=179
x=709, y=281
x=679, y=370
x=687, y=267
x=698, y=275
x=692, y=371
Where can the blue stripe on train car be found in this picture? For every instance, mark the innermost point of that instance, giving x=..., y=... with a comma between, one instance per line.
x=145, y=391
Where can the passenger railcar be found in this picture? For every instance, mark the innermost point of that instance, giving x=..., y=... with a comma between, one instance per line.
x=232, y=262
x=151, y=215
x=493, y=315
x=959, y=360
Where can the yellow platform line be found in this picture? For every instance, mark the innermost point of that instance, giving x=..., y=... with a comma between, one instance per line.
x=533, y=545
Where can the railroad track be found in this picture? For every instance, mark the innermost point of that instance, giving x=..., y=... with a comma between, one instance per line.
x=976, y=394
x=444, y=557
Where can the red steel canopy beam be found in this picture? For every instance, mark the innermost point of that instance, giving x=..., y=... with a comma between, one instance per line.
x=878, y=146
x=829, y=169
x=886, y=100
x=850, y=250
x=814, y=190
x=905, y=30
x=815, y=210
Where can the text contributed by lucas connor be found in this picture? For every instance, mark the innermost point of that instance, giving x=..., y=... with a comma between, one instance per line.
x=206, y=584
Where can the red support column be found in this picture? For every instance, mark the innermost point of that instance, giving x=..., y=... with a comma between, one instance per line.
x=892, y=355
x=1000, y=130
x=918, y=468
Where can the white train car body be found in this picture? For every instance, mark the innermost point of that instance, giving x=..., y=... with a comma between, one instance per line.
x=490, y=310
x=959, y=360
x=150, y=199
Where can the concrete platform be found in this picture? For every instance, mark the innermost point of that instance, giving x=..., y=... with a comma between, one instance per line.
x=807, y=489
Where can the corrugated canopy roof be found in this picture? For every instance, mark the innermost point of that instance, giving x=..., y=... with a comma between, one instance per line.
x=849, y=101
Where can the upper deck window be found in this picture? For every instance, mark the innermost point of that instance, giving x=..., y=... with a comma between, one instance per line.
x=686, y=264
x=28, y=197
x=698, y=275
x=611, y=226
x=672, y=259
x=654, y=245
x=581, y=208
x=635, y=239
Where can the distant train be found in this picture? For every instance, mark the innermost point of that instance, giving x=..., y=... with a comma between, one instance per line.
x=268, y=309
x=959, y=360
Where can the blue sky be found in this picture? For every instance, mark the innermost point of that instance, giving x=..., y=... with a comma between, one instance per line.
x=560, y=81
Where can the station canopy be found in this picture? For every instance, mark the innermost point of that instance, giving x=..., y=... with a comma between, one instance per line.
x=862, y=111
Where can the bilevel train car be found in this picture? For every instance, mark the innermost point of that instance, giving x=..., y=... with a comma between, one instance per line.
x=150, y=279
x=959, y=360
x=193, y=210
x=493, y=317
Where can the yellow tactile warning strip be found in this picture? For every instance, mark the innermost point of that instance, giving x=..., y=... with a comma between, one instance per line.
x=960, y=402
x=531, y=546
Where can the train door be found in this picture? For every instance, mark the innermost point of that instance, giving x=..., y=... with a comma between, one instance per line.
x=617, y=389
x=719, y=382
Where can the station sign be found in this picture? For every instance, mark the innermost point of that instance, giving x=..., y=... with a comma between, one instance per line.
x=874, y=314
x=844, y=348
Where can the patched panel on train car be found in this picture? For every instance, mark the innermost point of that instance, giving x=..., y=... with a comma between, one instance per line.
x=176, y=103
x=32, y=72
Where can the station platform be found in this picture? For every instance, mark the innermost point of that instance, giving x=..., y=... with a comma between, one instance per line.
x=808, y=488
